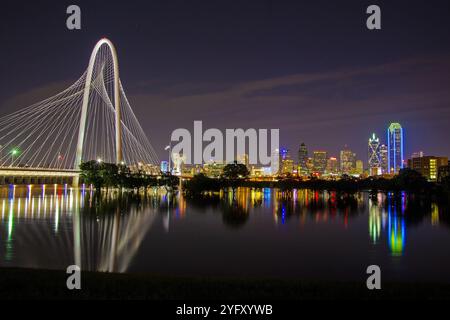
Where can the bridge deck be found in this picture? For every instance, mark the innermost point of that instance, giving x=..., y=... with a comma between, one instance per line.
x=37, y=172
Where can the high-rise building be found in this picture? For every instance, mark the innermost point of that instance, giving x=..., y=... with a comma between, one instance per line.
x=213, y=169
x=164, y=166
x=359, y=167
x=443, y=173
x=417, y=154
x=374, y=160
x=395, y=147
x=320, y=161
x=384, y=158
x=285, y=154
x=428, y=166
x=287, y=164
x=243, y=158
x=302, y=160
x=310, y=165
x=332, y=165
x=347, y=161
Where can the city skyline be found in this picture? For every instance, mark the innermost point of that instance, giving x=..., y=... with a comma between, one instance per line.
x=201, y=151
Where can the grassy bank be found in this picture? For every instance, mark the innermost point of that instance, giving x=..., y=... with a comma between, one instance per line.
x=45, y=284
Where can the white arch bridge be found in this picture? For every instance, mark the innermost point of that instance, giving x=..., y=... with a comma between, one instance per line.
x=90, y=120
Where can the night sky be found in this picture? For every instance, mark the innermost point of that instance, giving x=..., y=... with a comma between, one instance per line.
x=310, y=68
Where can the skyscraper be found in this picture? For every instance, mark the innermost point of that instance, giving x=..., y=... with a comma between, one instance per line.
x=243, y=158
x=320, y=161
x=332, y=165
x=359, y=167
x=384, y=158
x=302, y=159
x=395, y=147
x=287, y=164
x=374, y=160
x=310, y=165
x=348, y=161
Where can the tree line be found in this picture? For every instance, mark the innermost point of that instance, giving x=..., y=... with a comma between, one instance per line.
x=234, y=175
x=111, y=175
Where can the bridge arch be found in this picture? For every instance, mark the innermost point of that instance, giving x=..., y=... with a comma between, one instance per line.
x=86, y=93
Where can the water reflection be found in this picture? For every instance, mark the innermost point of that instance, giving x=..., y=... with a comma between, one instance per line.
x=54, y=226
x=388, y=214
x=60, y=226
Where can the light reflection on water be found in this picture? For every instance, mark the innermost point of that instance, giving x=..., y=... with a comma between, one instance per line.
x=53, y=226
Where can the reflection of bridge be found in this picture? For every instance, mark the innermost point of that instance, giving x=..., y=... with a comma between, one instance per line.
x=90, y=120
x=73, y=228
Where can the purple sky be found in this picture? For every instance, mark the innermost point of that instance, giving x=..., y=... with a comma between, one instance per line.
x=311, y=69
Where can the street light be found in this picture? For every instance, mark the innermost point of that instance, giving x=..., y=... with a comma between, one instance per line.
x=14, y=152
x=99, y=160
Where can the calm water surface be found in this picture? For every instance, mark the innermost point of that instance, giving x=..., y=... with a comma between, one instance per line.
x=252, y=232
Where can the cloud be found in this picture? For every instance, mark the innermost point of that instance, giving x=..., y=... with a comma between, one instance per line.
x=311, y=104
x=324, y=108
x=30, y=97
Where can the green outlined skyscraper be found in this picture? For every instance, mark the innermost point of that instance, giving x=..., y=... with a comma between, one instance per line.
x=395, y=147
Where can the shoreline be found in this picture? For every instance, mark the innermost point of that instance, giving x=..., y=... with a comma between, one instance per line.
x=22, y=283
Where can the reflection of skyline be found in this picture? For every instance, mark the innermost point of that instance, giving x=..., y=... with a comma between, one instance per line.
x=389, y=216
x=396, y=224
x=54, y=226
x=384, y=221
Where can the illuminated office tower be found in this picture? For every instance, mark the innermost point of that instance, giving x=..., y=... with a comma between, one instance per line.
x=310, y=165
x=213, y=169
x=359, y=167
x=284, y=154
x=384, y=158
x=320, y=161
x=287, y=164
x=374, y=161
x=428, y=166
x=395, y=147
x=302, y=160
x=348, y=161
x=332, y=166
x=164, y=166
x=243, y=158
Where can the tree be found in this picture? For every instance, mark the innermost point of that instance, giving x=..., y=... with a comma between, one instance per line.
x=410, y=180
x=200, y=183
x=235, y=171
x=110, y=174
x=90, y=173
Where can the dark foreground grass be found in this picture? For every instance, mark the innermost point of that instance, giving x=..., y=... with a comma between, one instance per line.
x=48, y=284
